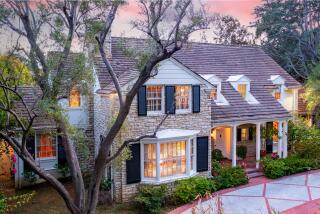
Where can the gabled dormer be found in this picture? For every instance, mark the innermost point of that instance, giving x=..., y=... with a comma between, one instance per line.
x=241, y=83
x=216, y=93
x=278, y=91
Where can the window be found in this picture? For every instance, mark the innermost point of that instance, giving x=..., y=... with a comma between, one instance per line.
x=244, y=134
x=150, y=160
x=277, y=92
x=74, y=98
x=183, y=97
x=275, y=136
x=214, y=93
x=172, y=158
x=46, y=146
x=154, y=98
x=242, y=89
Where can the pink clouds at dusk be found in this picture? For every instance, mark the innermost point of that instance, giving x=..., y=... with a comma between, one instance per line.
x=241, y=9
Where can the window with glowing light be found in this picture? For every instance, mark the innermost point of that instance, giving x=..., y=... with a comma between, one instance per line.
x=172, y=158
x=214, y=93
x=154, y=98
x=244, y=134
x=277, y=92
x=46, y=146
x=150, y=165
x=242, y=89
x=74, y=98
x=183, y=93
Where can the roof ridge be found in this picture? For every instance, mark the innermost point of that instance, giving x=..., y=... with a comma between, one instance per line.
x=200, y=43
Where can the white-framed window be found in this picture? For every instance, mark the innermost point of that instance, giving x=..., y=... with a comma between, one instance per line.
x=277, y=92
x=183, y=98
x=214, y=93
x=46, y=146
x=154, y=99
x=166, y=160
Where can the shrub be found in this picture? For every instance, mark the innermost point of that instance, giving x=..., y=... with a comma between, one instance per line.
x=242, y=152
x=151, y=199
x=106, y=184
x=63, y=169
x=230, y=176
x=9, y=204
x=274, y=168
x=216, y=154
x=189, y=189
x=3, y=204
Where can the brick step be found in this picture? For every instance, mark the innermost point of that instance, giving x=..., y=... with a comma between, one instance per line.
x=255, y=174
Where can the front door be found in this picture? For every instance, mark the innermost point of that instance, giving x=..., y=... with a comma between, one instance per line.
x=223, y=141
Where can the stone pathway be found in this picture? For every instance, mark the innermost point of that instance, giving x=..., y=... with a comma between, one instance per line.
x=296, y=194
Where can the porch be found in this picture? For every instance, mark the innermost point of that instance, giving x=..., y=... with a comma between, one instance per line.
x=258, y=138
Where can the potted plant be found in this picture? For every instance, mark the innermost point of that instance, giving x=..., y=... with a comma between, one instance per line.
x=242, y=154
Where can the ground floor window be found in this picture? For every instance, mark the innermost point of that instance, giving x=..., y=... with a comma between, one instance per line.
x=46, y=146
x=167, y=159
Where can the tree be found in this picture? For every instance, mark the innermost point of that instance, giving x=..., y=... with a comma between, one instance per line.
x=289, y=32
x=167, y=25
x=228, y=30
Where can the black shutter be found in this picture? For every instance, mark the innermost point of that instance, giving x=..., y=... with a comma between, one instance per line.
x=62, y=160
x=31, y=147
x=133, y=165
x=238, y=134
x=202, y=154
x=170, y=100
x=142, y=101
x=196, y=98
x=251, y=133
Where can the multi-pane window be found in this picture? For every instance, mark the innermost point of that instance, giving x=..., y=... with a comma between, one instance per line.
x=214, y=93
x=46, y=146
x=172, y=158
x=244, y=134
x=242, y=89
x=150, y=164
x=277, y=92
x=74, y=98
x=154, y=98
x=182, y=97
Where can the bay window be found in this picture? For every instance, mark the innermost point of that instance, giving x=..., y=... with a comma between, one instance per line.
x=165, y=159
x=183, y=98
x=154, y=99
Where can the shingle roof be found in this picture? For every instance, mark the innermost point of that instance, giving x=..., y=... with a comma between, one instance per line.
x=222, y=61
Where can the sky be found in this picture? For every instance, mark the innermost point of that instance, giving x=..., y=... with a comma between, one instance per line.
x=241, y=9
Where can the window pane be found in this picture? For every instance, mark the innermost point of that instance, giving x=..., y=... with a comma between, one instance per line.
x=182, y=97
x=173, y=159
x=242, y=88
x=154, y=98
x=46, y=146
x=74, y=97
x=150, y=160
x=244, y=134
x=214, y=93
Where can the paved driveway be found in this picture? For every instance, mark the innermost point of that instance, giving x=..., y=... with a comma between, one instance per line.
x=296, y=194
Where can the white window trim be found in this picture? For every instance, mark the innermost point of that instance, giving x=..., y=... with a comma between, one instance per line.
x=161, y=112
x=158, y=179
x=189, y=110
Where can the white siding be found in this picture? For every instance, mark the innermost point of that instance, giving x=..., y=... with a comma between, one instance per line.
x=170, y=72
x=290, y=100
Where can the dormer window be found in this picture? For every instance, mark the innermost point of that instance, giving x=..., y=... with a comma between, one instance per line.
x=277, y=92
x=214, y=93
x=242, y=89
x=278, y=81
x=74, y=98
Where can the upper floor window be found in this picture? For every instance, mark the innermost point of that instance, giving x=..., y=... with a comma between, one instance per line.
x=242, y=89
x=214, y=93
x=277, y=92
x=154, y=98
x=74, y=98
x=46, y=146
x=183, y=93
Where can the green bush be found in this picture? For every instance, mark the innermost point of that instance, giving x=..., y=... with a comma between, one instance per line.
x=293, y=164
x=230, y=176
x=151, y=199
x=216, y=154
x=106, y=184
x=274, y=168
x=3, y=204
x=189, y=189
x=242, y=152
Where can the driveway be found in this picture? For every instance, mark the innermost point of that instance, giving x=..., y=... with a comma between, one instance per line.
x=296, y=194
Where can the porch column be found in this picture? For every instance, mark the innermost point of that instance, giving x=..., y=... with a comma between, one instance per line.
x=258, y=144
x=285, y=139
x=234, y=146
x=280, y=130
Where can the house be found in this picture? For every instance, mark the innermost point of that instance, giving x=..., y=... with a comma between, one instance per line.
x=217, y=97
